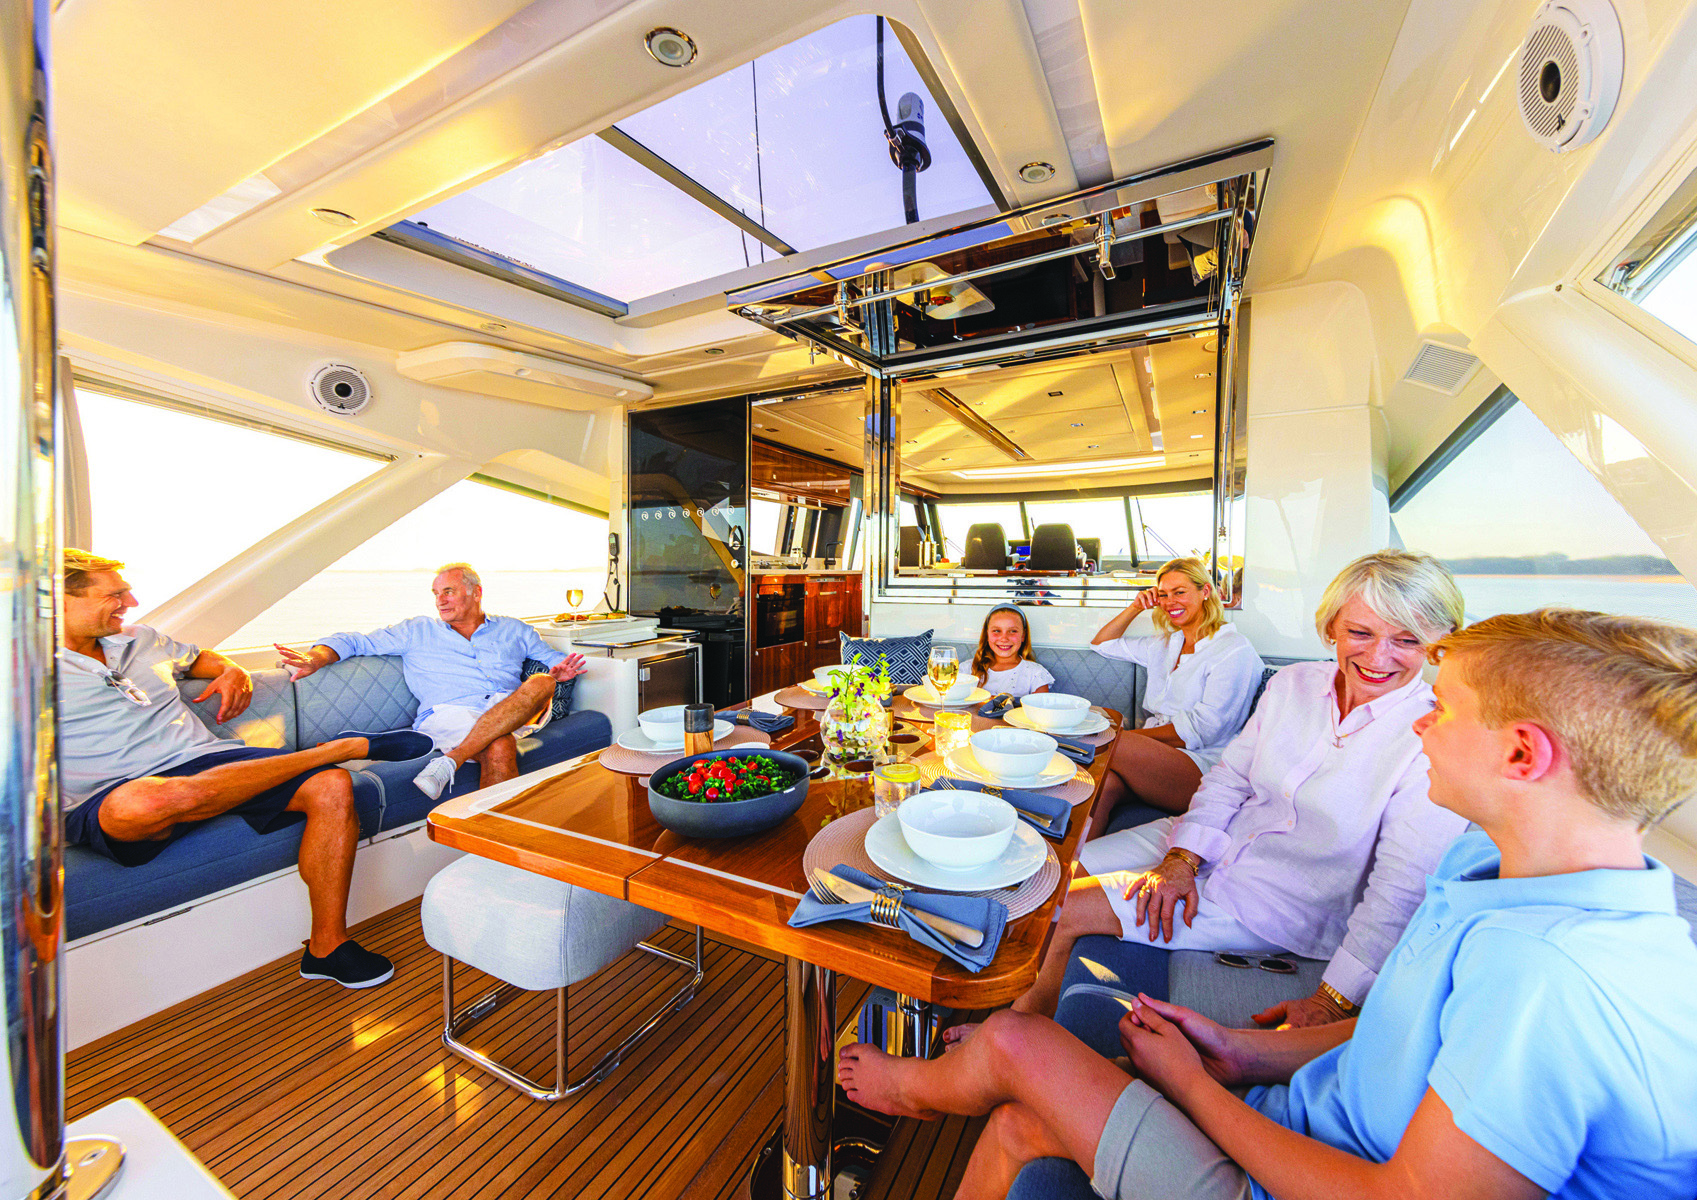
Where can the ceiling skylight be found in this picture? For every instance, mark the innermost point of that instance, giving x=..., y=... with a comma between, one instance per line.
x=794, y=141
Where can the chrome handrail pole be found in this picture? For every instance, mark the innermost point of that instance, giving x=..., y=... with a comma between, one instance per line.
x=32, y=1131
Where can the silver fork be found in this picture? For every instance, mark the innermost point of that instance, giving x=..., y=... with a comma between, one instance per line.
x=822, y=891
x=947, y=784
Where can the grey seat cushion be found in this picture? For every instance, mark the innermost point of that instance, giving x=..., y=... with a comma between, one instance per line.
x=367, y=693
x=269, y=720
x=531, y=931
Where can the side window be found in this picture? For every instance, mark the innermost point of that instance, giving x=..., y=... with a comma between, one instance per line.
x=1179, y=525
x=531, y=553
x=1524, y=525
x=1658, y=270
x=169, y=494
x=765, y=518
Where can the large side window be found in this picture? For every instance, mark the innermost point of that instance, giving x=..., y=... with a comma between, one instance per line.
x=1524, y=525
x=174, y=495
x=1177, y=525
x=1658, y=270
x=531, y=553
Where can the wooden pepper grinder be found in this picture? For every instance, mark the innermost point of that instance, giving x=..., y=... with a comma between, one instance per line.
x=698, y=728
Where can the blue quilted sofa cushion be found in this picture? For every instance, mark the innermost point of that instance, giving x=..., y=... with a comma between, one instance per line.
x=367, y=694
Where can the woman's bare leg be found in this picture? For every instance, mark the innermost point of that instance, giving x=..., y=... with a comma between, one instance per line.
x=1063, y=1092
x=1153, y=772
x=1086, y=911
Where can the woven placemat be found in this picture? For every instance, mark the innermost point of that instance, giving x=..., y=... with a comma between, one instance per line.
x=795, y=697
x=843, y=843
x=646, y=762
x=1074, y=791
x=1089, y=739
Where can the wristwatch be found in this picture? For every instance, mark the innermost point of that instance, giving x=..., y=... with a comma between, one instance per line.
x=1347, y=1006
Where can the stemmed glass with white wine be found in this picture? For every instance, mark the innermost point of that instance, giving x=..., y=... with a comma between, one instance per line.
x=574, y=598
x=943, y=669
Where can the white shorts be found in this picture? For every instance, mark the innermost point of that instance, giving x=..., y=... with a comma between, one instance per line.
x=448, y=724
x=1119, y=858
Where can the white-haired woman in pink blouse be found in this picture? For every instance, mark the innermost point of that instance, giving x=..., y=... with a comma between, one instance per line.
x=1313, y=834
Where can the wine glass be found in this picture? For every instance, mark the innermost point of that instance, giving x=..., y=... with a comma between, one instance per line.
x=943, y=669
x=574, y=598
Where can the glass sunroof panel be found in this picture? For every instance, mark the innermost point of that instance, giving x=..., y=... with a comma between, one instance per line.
x=591, y=215
x=795, y=139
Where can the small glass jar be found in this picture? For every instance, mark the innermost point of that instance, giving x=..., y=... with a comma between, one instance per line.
x=891, y=784
x=951, y=729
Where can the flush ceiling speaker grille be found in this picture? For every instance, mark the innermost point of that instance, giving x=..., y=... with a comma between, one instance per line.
x=340, y=389
x=1441, y=368
x=1570, y=71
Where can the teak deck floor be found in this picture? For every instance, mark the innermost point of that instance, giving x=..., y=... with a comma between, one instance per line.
x=290, y=1088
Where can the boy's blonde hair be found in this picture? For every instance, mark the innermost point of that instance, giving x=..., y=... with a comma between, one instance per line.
x=1620, y=693
x=1213, y=612
x=1413, y=591
x=78, y=565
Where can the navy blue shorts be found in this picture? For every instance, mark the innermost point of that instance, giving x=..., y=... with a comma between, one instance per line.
x=265, y=812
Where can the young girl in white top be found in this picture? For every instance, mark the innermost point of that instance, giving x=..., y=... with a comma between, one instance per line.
x=1004, y=660
x=1202, y=678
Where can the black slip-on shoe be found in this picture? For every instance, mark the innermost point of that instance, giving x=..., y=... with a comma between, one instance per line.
x=349, y=964
x=399, y=745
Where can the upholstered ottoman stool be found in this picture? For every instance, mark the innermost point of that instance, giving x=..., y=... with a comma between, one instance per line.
x=535, y=934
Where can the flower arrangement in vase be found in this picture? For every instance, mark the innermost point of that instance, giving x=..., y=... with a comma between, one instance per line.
x=856, y=725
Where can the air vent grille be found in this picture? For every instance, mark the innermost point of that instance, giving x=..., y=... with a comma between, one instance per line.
x=1441, y=368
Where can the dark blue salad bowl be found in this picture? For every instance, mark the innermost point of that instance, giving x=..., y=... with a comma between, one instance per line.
x=732, y=818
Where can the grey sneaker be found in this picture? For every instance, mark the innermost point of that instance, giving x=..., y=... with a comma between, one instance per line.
x=436, y=778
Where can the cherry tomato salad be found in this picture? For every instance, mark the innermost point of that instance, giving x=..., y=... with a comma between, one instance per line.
x=718, y=780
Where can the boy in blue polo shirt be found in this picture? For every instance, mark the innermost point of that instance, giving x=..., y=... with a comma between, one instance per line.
x=1532, y=1033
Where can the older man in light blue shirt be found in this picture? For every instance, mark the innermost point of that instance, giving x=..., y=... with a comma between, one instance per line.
x=465, y=669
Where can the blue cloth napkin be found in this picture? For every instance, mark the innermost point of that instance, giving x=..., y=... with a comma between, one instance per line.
x=1079, y=752
x=765, y=722
x=997, y=705
x=1037, y=802
x=980, y=912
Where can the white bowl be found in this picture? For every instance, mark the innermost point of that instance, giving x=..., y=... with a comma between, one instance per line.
x=957, y=830
x=1055, y=711
x=1013, y=754
x=664, y=725
x=958, y=691
x=822, y=675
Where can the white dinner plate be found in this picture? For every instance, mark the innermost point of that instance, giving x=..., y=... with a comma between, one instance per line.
x=1094, y=722
x=889, y=852
x=964, y=763
x=814, y=686
x=922, y=694
x=635, y=739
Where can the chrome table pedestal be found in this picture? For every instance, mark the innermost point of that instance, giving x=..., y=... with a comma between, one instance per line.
x=826, y=1149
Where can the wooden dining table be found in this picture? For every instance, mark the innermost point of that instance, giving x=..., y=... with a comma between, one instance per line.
x=591, y=826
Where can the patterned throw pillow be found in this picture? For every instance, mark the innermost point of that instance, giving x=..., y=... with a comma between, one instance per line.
x=908, y=655
x=562, y=691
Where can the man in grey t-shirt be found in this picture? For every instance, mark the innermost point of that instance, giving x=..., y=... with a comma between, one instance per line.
x=138, y=768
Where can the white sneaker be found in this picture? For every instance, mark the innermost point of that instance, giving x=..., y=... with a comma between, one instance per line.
x=437, y=777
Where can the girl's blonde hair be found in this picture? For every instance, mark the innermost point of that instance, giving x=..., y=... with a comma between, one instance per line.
x=982, y=659
x=1213, y=612
x=1411, y=590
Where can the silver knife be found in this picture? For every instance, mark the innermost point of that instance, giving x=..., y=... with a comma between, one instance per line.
x=853, y=893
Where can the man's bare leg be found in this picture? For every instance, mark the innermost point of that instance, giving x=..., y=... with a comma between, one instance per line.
x=505, y=715
x=327, y=854
x=499, y=761
x=144, y=810
x=1065, y=1089
x=1086, y=911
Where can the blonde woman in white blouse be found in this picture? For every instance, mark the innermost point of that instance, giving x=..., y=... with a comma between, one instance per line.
x=1314, y=834
x=1202, y=676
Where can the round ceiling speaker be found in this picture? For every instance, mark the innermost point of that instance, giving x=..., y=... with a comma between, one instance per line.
x=1571, y=65
x=340, y=389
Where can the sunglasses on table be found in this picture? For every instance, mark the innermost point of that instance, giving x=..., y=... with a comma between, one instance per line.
x=1278, y=966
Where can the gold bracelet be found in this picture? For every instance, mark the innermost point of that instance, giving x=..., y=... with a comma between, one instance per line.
x=1189, y=857
x=1346, y=1005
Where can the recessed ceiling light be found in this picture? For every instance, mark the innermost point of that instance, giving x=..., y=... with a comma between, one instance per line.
x=1078, y=424
x=670, y=47
x=714, y=350
x=492, y=327
x=1094, y=446
x=334, y=216
x=830, y=447
x=913, y=441
x=1037, y=172
x=1054, y=393
x=1195, y=435
x=1197, y=412
x=770, y=428
x=945, y=458
x=1204, y=374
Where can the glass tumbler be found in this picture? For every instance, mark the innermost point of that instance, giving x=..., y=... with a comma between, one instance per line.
x=951, y=729
x=891, y=784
